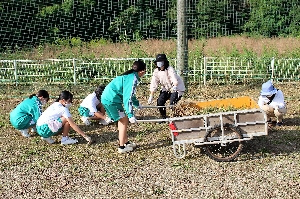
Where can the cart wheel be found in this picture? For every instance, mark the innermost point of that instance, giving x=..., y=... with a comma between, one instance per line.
x=179, y=150
x=223, y=152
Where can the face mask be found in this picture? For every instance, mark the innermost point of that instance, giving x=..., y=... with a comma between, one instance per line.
x=68, y=105
x=159, y=64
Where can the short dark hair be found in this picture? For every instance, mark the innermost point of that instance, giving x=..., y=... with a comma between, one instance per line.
x=137, y=66
x=41, y=93
x=99, y=90
x=65, y=95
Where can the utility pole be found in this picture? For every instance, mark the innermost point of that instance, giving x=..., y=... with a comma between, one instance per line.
x=182, y=42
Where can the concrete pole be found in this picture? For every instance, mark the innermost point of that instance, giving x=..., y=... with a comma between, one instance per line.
x=182, y=42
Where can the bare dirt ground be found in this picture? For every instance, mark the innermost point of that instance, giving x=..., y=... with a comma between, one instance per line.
x=268, y=167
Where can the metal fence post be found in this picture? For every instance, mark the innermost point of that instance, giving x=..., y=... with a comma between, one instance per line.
x=204, y=71
x=15, y=72
x=272, y=67
x=74, y=71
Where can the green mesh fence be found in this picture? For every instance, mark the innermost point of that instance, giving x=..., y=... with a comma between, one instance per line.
x=29, y=23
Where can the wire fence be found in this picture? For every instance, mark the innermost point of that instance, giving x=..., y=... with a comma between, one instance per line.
x=208, y=70
x=35, y=22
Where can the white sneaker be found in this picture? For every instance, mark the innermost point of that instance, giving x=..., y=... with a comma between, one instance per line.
x=69, y=141
x=125, y=150
x=25, y=133
x=103, y=122
x=131, y=144
x=86, y=120
x=108, y=120
x=49, y=140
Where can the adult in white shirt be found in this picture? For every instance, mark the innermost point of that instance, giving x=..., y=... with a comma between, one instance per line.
x=271, y=100
x=92, y=109
x=172, y=85
x=57, y=118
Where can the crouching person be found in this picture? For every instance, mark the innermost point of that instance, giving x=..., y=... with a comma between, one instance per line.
x=57, y=118
x=172, y=85
x=271, y=101
x=26, y=114
x=92, y=109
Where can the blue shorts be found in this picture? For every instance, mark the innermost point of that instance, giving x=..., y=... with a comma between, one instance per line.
x=114, y=111
x=45, y=132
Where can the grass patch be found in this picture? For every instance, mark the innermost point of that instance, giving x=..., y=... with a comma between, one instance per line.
x=268, y=165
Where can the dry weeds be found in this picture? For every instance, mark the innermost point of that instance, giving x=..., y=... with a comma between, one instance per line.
x=267, y=168
x=222, y=46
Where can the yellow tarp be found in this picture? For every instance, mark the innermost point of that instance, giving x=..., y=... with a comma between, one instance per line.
x=238, y=103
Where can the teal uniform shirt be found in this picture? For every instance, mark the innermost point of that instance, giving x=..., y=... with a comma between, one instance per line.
x=26, y=113
x=122, y=90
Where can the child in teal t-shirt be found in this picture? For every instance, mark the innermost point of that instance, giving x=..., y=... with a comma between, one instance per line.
x=26, y=114
x=119, y=99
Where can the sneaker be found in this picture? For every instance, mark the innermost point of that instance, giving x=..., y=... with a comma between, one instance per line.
x=86, y=120
x=131, y=144
x=103, y=122
x=33, y=130
x=49, y=140
x=69, y=141
x=25, y=133
x=108, y=120
x=279, y=123
x=126, y=149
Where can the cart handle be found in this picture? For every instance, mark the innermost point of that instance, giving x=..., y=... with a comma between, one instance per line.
x=154, y=120
x=168, y=106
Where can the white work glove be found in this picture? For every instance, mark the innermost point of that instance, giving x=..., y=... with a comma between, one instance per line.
x=174, y=89
x=87, y=138
x=132, y=120
x=140, y=107
x=150, y=99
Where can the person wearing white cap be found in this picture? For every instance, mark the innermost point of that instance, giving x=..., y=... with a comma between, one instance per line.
x=172, y=85
x=271, y=100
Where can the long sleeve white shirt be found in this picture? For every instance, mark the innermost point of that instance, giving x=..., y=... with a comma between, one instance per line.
x=278, y=100
x=166, y=79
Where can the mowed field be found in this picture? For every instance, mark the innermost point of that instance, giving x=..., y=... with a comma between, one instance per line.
x=268, y=167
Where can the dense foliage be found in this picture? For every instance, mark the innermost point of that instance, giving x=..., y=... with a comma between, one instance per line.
x=34, y=22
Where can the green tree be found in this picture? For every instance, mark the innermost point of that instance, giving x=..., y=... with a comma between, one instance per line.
x=273, y=18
